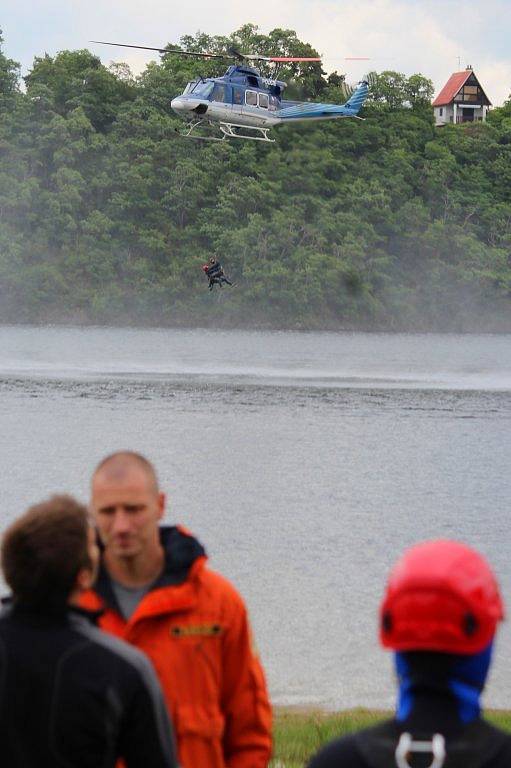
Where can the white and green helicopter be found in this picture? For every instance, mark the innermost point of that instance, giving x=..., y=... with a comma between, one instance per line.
x=245, y=105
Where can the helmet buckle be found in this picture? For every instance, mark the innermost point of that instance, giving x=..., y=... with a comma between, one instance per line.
x=408, y=746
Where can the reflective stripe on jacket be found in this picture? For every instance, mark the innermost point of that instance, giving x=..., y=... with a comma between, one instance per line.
x=215, y=270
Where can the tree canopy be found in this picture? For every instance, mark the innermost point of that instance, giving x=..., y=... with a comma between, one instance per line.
x=106, y=213
x=9, y=74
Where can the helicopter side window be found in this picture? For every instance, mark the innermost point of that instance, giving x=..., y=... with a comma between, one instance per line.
x=218, y=93
x=251, y=98
x=274, y=103
x=263, y=100
x=237, y=95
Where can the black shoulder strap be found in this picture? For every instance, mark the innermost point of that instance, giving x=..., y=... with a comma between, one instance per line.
x=479, y=743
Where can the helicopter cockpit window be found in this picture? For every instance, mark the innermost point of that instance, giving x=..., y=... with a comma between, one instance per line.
x=218, y=93
x=202, y=89
x=263, y=100
x=251, y=98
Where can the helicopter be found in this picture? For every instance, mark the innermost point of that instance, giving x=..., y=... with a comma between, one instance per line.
x=245, y=105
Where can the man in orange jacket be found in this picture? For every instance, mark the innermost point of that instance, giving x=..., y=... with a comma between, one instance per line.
x=155, y=591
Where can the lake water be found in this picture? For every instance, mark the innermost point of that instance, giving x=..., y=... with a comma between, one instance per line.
x=305, y=462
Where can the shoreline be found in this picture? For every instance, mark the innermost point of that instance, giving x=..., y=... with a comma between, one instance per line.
x=300, y=731
x=140, y=325
x=305, y=710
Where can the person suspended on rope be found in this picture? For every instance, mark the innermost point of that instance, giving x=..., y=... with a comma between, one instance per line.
x=439, y=615
x=215, y=273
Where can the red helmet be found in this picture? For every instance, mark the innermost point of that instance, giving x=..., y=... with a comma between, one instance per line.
x=440, y=596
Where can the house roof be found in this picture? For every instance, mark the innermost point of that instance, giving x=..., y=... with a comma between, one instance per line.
x=451, y=88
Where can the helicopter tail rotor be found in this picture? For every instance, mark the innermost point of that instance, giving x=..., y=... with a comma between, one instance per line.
x=348, y=90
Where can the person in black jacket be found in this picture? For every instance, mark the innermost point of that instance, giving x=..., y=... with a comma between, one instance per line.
x=70, y=695
x=439, y=614
x=215, y=273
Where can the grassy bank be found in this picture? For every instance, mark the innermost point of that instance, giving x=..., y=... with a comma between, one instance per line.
x=298, y=735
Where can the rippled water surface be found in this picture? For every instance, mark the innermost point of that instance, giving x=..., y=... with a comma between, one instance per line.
x=304, y=462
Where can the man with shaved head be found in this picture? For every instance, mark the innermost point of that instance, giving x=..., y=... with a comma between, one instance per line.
x=155, y=591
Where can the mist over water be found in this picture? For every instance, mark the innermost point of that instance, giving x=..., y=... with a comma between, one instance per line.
x=429, y=361
x=305, y=462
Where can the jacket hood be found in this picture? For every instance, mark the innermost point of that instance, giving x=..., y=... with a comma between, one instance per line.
x=182, y=550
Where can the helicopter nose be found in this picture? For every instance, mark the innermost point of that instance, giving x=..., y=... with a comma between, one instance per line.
x=179, y=105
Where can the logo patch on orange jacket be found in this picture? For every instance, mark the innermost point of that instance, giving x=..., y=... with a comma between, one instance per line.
x=196, y=630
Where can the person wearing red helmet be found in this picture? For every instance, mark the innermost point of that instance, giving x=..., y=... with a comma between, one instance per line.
x=439, y=615
x=215, y=273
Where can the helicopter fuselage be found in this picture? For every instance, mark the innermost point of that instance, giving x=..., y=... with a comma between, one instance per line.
x=243, y=96
x=243, y=99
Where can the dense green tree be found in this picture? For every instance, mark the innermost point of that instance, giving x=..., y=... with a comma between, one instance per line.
x=78, y=79
x=9, y=74
x=418, y=90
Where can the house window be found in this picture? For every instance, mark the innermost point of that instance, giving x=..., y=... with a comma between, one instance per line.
x=441, y=111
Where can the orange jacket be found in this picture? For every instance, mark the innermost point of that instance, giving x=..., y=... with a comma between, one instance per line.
x=196, y=633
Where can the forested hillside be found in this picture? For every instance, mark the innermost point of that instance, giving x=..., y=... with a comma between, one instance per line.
x=106, y=213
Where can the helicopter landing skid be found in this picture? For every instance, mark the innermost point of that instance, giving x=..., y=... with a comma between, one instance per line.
x=228, y=132
x=188, y=134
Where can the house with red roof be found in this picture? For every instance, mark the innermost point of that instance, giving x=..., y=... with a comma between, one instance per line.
x=461, y=100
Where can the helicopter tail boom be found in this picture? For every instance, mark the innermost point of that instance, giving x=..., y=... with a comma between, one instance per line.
x=312, y=111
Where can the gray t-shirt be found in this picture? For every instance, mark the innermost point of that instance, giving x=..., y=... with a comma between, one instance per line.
x=129, y=597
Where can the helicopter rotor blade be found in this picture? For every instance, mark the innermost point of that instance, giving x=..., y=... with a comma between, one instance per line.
x=166, y=50
x=347, y=58
x=276, y=59
x=280, y=59
x=287, y=59
x=230, y=53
